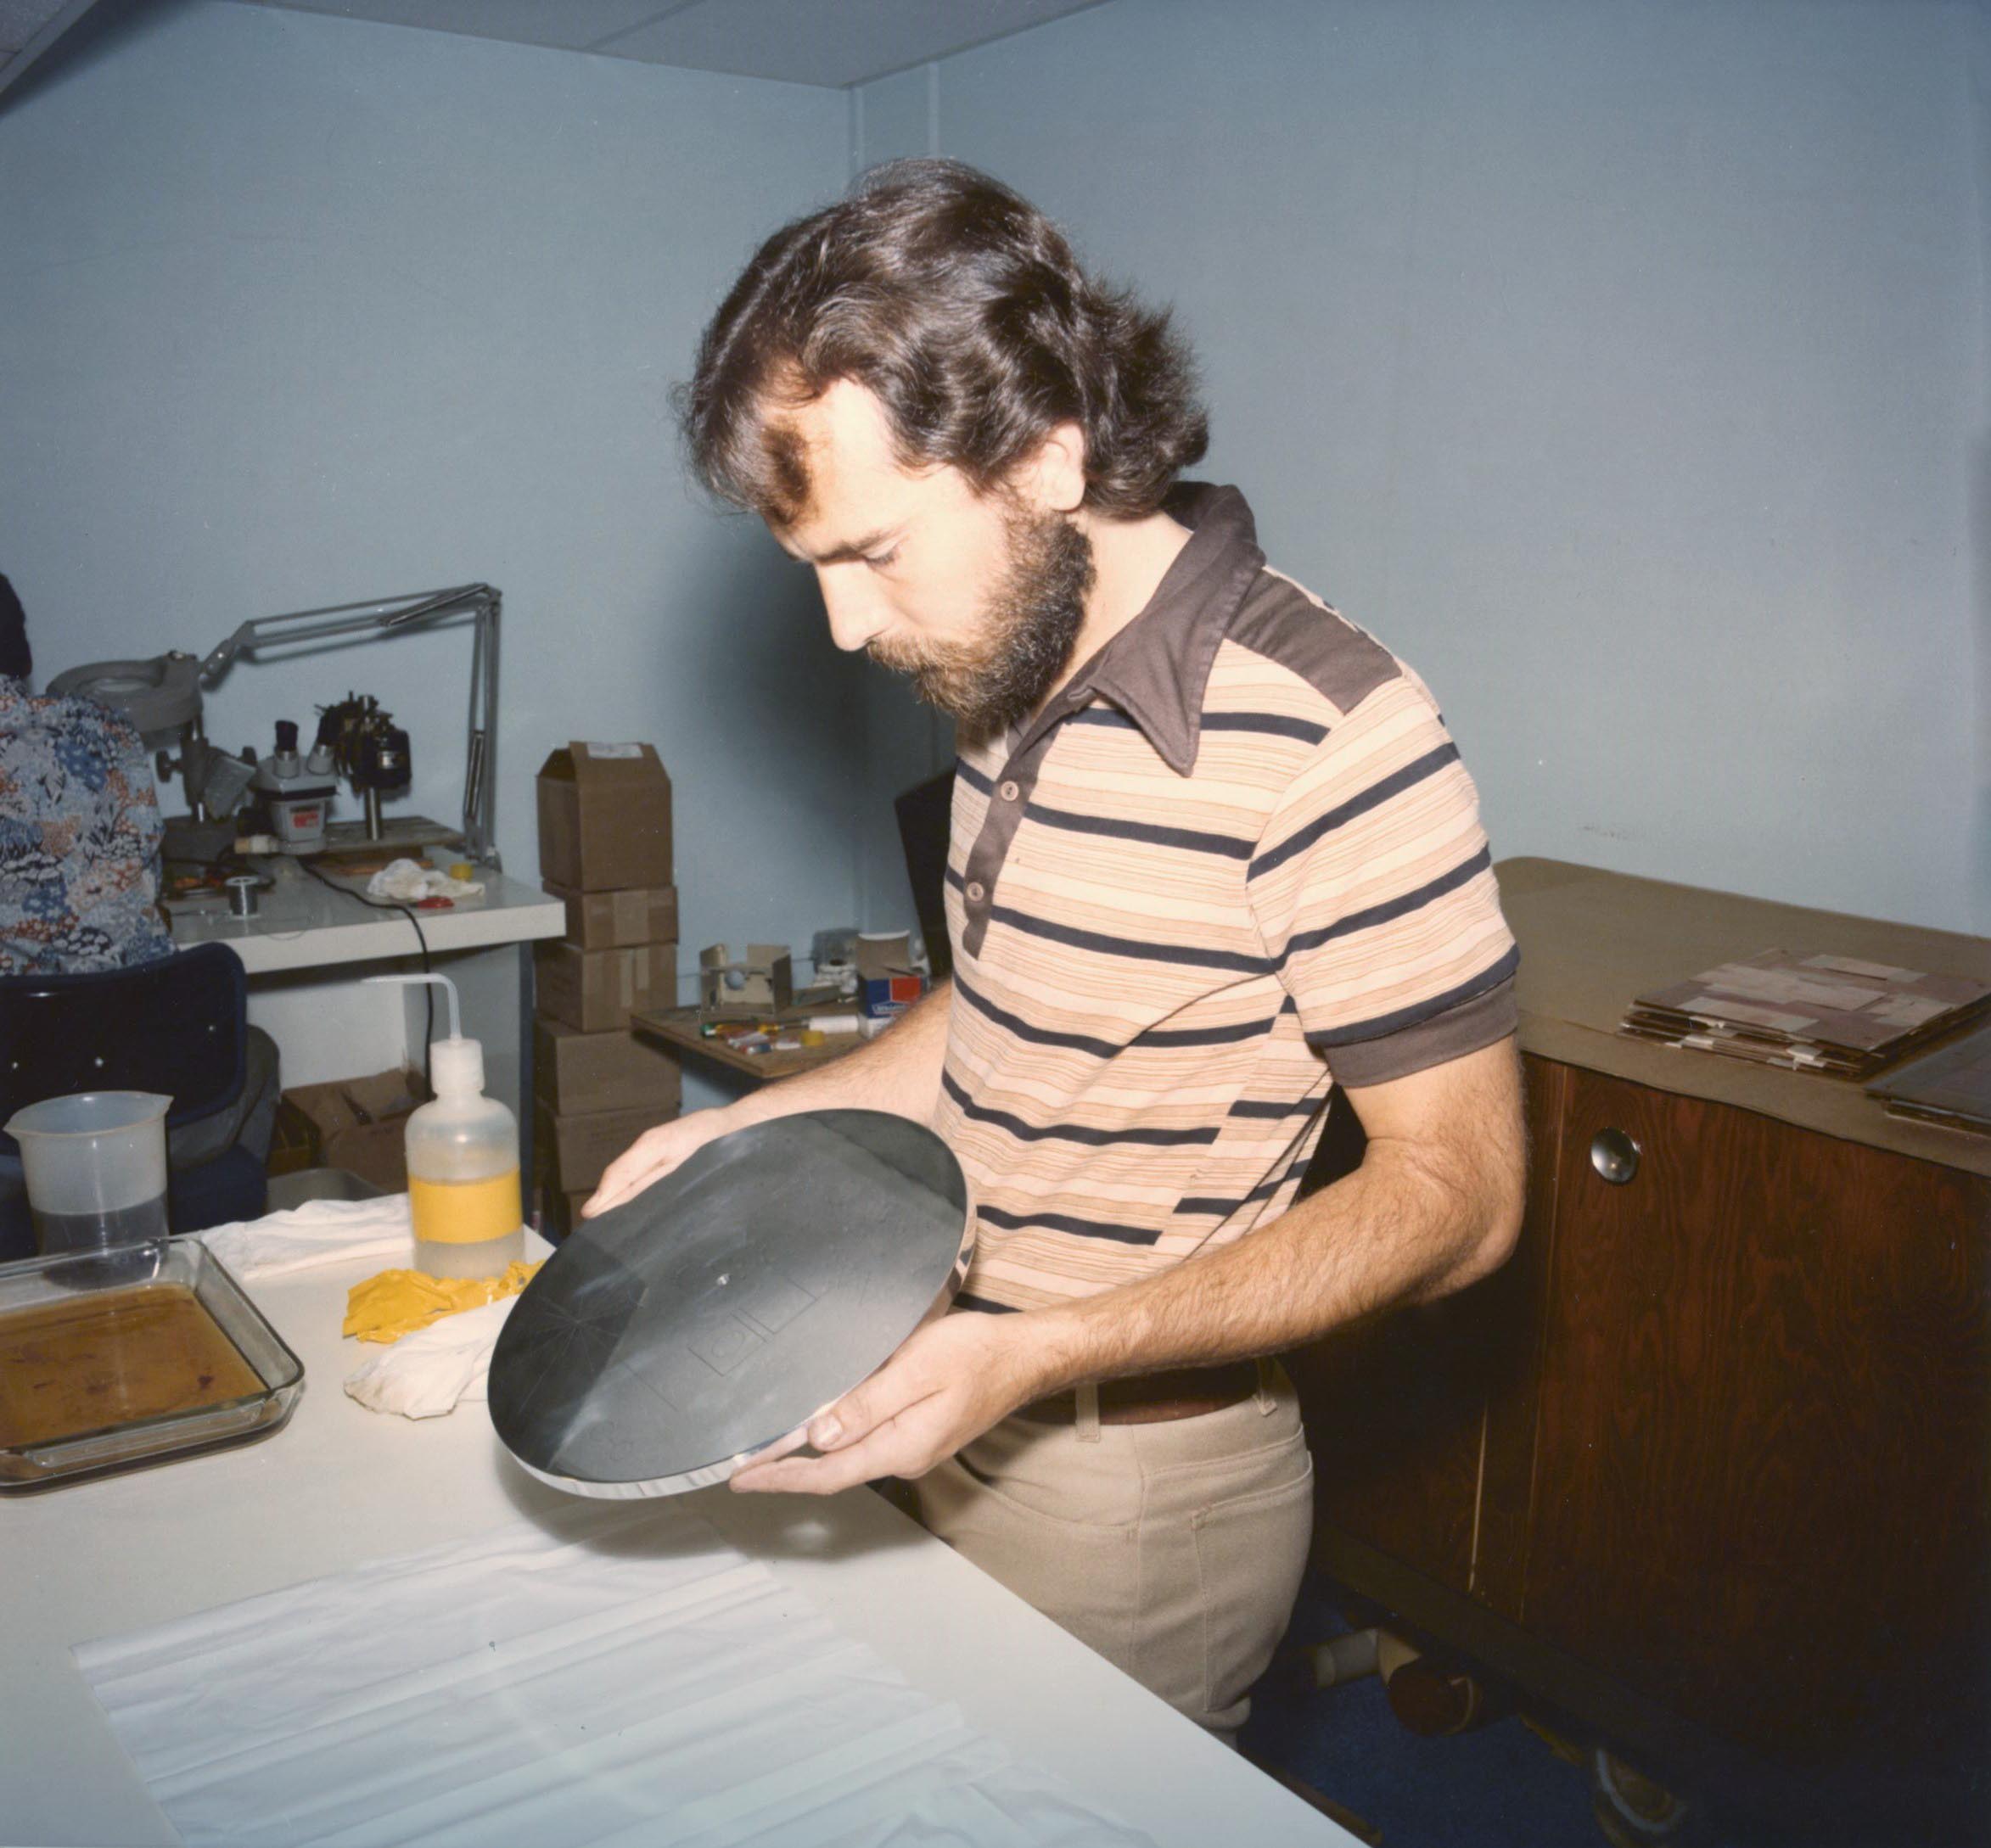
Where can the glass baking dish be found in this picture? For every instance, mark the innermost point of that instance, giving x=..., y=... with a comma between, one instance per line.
x=140, y=1354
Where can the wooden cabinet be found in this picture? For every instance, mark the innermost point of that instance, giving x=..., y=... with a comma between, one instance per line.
x=1707, y=1466
x=1763, y=1426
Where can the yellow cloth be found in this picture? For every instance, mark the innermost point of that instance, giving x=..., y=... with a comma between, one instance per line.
x=397, y=1303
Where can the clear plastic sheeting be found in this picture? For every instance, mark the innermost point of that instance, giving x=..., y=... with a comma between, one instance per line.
x=606, y=1675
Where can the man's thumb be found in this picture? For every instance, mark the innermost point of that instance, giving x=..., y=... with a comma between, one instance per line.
x=838, y=1424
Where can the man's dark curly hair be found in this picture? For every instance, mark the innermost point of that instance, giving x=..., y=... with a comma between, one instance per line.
x=961, y=306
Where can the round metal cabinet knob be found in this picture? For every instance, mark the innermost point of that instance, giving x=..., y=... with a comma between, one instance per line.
x=1614, y=1155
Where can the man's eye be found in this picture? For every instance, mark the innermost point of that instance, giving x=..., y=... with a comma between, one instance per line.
x=877, y=561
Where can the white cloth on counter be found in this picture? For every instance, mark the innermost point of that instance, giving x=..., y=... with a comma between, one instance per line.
x=425, y=1374
x=406, y=883
x=602, y=1677
x=319, y=1232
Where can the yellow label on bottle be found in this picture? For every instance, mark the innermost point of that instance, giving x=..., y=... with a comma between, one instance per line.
x=465, y=1212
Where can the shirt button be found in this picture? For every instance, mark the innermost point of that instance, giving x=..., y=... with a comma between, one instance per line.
x=1010, y=791
x=977, y=891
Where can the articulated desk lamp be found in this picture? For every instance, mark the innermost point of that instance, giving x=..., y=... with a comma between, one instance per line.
x=162, y=699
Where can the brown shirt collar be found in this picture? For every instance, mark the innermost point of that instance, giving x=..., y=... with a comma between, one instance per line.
x=1157, y=668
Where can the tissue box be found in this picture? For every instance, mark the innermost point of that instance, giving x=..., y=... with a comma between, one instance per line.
x=887, y=982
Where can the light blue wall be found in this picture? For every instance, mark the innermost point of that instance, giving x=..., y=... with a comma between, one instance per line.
x=1620, y=364
x=295, y=310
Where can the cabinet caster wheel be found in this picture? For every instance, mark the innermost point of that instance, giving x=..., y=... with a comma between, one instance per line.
x=1632, y=1811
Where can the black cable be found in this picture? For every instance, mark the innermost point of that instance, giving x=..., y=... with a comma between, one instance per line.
x=406, y=911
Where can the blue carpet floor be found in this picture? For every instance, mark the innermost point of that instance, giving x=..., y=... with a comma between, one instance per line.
x=1501, y=1786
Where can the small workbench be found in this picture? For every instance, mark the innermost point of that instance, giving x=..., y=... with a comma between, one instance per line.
x=308, y=948
x=678, y=1027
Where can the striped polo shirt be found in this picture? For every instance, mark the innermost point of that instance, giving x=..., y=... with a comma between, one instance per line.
x=1234, y=861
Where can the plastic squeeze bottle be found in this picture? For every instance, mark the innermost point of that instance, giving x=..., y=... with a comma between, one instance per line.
x=463, y=1161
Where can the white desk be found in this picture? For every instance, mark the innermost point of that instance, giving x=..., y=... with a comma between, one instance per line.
x=302, y=946
x=341, y=1485
x=303, y=924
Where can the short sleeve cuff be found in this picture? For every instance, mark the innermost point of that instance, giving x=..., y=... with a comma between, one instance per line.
x=1481, y=1020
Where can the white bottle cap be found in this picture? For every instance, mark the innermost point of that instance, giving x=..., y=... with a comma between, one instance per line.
x=456, y=1067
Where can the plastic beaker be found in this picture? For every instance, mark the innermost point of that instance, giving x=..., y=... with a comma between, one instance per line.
x=96, y=1168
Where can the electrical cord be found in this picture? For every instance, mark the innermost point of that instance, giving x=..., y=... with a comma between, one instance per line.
x=406, y=911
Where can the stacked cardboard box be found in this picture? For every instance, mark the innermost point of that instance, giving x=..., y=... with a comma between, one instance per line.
x=605, y=852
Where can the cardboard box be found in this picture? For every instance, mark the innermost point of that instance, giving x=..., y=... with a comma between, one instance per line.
x=294, y=1145
x=361, y=1124
x=570, y=1153
x=576, y=1073
x=561, y=1212
x=618, y=920
x=761, y=982
x=594, y=990
x=604, y=817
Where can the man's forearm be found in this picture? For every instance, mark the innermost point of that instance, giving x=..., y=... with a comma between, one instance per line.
x=1381, y=1236
x=1393, y=1231
x=898, y=1071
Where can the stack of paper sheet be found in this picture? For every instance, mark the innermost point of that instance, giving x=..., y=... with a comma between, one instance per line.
x=1951, y=1086
x=616, y=1675
x=1812, y=1013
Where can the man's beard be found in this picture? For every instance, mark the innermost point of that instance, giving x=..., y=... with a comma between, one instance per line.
x=1030, y=623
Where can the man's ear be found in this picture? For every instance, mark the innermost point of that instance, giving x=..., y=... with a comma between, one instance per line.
x=1052, y=478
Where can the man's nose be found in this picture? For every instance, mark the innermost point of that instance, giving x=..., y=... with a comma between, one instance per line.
x=856, y=611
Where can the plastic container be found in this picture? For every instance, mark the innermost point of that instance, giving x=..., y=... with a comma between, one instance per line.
x=463, y=1163
x=95, y=1165
x=142, y=1330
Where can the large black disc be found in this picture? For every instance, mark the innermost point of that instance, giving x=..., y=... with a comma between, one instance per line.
x=722, y=1307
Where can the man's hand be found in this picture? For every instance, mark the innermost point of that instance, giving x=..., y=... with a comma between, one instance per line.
x=654, y=1153
x=951, y=1381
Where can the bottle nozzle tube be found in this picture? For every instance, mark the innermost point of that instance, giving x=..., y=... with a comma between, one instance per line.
x=456, y=1018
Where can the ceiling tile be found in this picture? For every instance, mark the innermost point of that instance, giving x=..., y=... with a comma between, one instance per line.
x=828, y=42
x=21, y=19
x=565, y=25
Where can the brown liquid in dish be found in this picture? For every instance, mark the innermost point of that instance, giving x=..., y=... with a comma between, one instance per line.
x=82, y=1365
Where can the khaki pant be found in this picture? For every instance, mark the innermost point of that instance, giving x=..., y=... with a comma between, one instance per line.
x=1173, y=1549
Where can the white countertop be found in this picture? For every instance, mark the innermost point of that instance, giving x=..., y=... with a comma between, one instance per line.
x=303, y=924
x=340, y=1486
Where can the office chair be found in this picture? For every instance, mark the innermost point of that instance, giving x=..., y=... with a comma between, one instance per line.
x=178, y=1027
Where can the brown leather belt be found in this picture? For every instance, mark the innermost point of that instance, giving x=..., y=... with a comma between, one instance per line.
x=1155, y=1397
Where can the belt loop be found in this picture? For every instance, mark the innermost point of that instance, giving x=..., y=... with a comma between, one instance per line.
x=1086, y=1403
x=1268, y=1380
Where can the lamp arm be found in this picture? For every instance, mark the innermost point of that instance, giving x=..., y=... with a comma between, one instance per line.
x=343, y=619
x=482, y=600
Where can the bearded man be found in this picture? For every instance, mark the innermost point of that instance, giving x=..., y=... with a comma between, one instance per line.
x=1213, y=854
